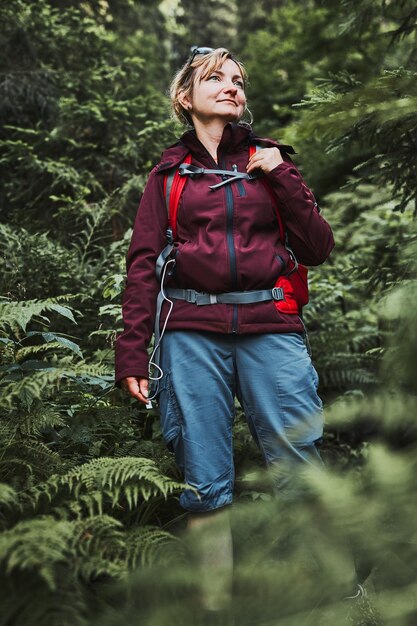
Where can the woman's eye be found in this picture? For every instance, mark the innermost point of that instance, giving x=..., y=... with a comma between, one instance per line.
x=239, y=83
x=213, y=76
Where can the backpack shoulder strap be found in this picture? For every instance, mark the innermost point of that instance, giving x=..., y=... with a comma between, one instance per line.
x=173, y=188
x=253, y=148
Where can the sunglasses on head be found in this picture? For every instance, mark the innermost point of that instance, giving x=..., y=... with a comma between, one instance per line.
x=196, y=50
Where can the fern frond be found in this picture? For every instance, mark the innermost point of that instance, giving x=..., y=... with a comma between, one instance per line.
x=388, y=411
x=138, y=477
x=53, y=342
x=27, y=601
x=14, y=467
x=17, y=315
x=26, y=458
x=9, y=500
x=117, y=482
x=37, y=545
x=100, y=544
x=91, y=547
x=45, y=377
x=42, y=417
x=92, y=238
x=31, y=388
x=147, y=545
x=347, y=378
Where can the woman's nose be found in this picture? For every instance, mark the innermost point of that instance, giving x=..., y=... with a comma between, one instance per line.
x=231, y=88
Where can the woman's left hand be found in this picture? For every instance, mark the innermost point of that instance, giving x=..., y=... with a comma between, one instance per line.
x=266, y=160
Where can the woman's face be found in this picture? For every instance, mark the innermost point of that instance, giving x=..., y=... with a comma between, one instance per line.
x=219, y=95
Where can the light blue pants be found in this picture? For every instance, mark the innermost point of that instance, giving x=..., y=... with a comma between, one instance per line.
x=276, y=384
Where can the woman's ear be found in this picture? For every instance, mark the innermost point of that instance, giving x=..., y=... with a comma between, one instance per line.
x=185, y=101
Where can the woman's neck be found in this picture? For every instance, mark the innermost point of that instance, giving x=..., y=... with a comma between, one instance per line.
x=209, y=135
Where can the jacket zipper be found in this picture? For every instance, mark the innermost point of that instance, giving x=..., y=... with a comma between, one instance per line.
x=230, y=239
x=231, y=245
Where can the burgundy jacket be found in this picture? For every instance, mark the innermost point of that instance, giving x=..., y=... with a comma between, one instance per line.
x=228, y=240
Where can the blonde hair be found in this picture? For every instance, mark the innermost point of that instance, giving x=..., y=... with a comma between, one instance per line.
x=183, y=81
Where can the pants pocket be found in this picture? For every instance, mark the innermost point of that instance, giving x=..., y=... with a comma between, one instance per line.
x=170, y=415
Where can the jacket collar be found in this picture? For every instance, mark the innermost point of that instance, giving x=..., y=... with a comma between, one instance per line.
x=235, y=137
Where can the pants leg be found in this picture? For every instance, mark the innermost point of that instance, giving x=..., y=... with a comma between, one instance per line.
x=277, y=387
x=197, y=411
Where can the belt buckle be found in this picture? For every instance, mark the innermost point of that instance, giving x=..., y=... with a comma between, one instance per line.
x=201, y=298
x=278, y=293
x=191, y=296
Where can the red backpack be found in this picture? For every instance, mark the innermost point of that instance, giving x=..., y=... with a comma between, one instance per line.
x=294, y=283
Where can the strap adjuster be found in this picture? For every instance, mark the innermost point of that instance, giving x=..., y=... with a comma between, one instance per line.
x=278, y=294
x=199, y=298
x=170, y=235
x=191, y=296
x=202, y=299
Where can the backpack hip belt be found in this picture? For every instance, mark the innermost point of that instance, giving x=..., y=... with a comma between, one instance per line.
x=231, y=297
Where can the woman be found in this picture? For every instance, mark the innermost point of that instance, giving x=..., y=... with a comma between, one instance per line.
x=227, y=241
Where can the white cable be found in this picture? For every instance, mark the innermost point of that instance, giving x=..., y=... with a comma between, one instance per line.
x=152, y=364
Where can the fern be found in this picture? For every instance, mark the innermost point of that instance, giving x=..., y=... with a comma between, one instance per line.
x=24, y=461
x=91, y=239
x=57, y=340
x=17, y=315
x=9, y=502
x=45, y=378
x=40, y=557
x=61, y=555
x=387, y=412
x=39, y=545
x=33, y=387
x=99, y=542
x=344, y=378
x=148, y=545
x=33, y=264
x=24, y=456
x=25, y=376
x=36, y=604
x=43, y=418
x=107, y=483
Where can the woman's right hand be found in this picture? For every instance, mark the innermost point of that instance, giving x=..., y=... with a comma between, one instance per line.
x=137, y=387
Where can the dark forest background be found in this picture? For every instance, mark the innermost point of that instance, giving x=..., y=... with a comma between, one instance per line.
x=91, y=529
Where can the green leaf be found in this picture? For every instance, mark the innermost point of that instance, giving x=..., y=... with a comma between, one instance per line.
x=64, y=311
x=71, y=345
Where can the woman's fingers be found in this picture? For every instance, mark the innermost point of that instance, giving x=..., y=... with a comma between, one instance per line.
x=137, y=387
x=266, y=160
x=144, y=388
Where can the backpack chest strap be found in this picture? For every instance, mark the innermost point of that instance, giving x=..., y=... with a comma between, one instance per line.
x=187, y=169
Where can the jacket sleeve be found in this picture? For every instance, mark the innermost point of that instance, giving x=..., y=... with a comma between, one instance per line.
x=141, y=290
x=309, y=235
